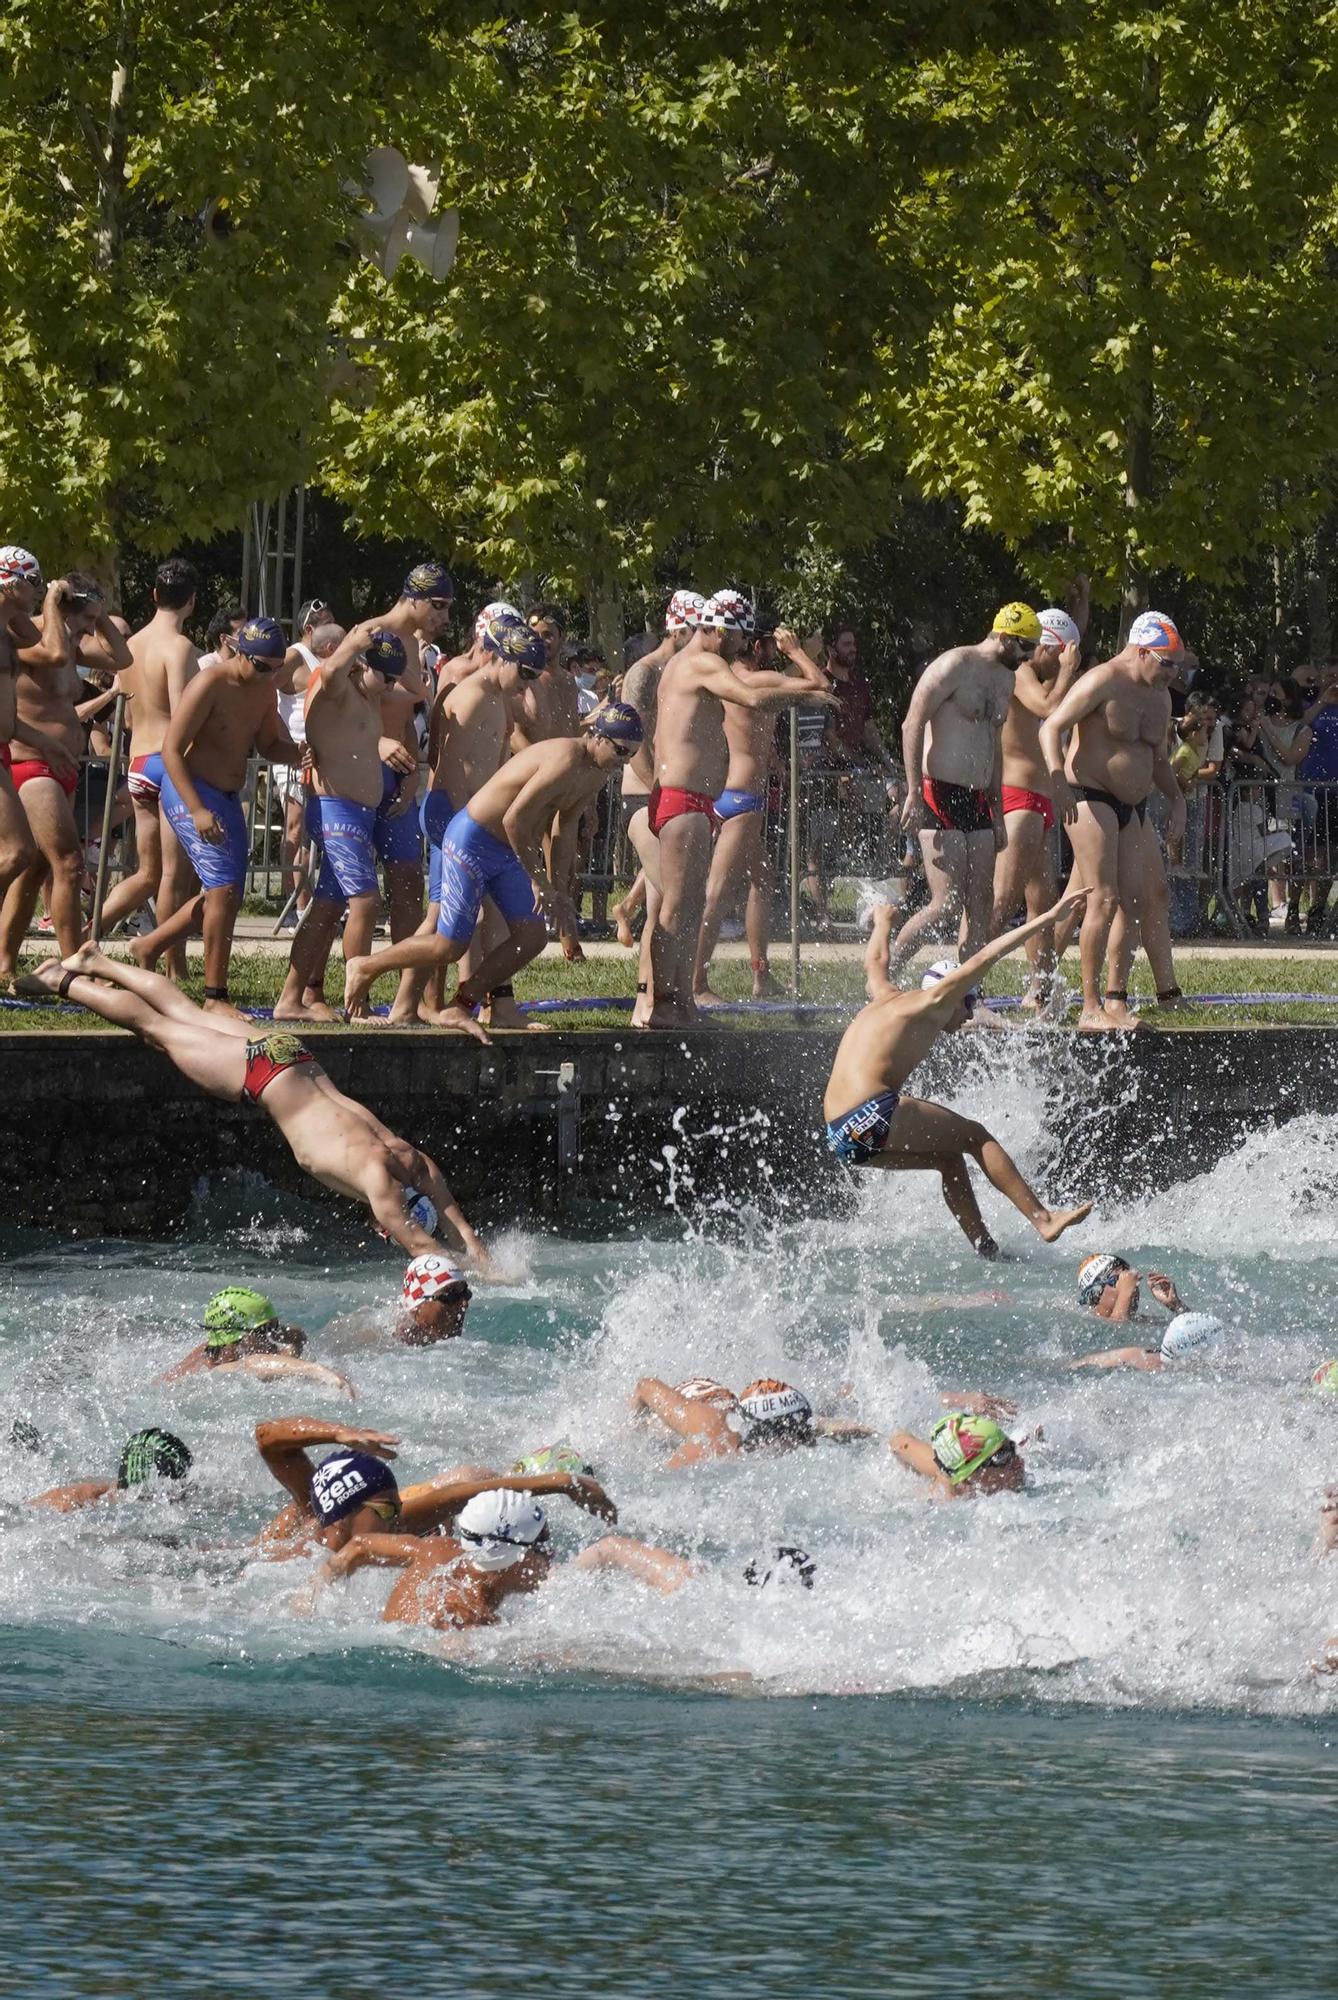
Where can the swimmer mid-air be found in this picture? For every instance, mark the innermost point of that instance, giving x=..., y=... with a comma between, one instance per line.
x=870, y=1124
x=336, y=1139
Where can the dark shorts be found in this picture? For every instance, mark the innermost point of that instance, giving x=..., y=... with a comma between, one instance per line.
x=857, y=1135
x=958, y=807
x=1092, y=795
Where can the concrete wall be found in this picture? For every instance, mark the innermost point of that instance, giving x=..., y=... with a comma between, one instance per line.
x=102, y=1136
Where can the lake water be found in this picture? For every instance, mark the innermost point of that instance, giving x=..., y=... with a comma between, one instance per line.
x=1061, y=1743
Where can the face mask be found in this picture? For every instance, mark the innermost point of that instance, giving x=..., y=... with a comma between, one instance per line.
x=585, y=681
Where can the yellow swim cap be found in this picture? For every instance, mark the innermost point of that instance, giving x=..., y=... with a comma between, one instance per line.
x=1019, y=621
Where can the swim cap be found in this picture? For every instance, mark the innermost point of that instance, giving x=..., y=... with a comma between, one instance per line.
x=428, y=579
x=150, y=1452
x=1095, y=1274
x=1057, y=628
x=420, y=1208
x=385, y=651
x=25, y=1435
x=431, y=1277
x=347, y=1480
x=512, y=640
x=235, y=1311
x=962, y=1444
x=1155, y=633
x=1191, y=1333
x=774, y=1410
x=727, y=611
x=1017, y=621
x=684, y=609
x=499, y=1529
x=1324, y=1377
x=262, y=639
x=497, y=609
x=562, y=1457
x=940, y=970
x=783, y=1568
x=617, y=721
x=19, y=566
x=701, y=1389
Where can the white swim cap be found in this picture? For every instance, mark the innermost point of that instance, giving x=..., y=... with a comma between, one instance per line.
x=702, y=1389
x=1191, y=1333
x=940, y=969
x=427, y=1277
x=684, y=609
x=727, y=611
x=1058, y=629
x=499, y=1529
x=1155, y=633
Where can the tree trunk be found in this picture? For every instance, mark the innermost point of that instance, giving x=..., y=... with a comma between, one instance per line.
x=604, y=606
x=1138, y=434
x=111, y=208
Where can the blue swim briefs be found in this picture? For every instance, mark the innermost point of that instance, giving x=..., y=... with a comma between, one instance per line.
x=396, y=836
x=475, y=864
x=348, y=860
x=857, y=1135
x=733, y=805
x=435, y=815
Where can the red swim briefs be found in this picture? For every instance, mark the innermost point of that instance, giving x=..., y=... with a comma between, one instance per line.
x=28, y=768
x=671, y=802
x=1017, y=800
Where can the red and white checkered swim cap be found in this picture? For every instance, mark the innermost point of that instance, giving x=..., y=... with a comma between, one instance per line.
x=18, y=565
x=684, y=608
x=427, y=1277
x=494, y=610
x=727, y=611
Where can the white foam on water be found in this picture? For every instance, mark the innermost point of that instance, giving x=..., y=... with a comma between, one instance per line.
x=1162, y=1555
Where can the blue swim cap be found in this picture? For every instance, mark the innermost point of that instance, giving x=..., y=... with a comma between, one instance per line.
x=618, y=721
x=428, y=579
x=347, y=1480
x=385, y=651
x=512, y=640
x=262, y=639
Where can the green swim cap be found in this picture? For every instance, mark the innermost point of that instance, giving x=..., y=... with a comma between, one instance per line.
x=562, y=1457
x=152, y=1452
x=235, y=1311
x=1326, y=1377
x=962, y=1444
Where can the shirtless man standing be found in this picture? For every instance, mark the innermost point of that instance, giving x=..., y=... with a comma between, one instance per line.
x=550, y=709
x=494, y=847
x=222, y=716
x=954, y=786
x=740, y=851
x=871, y=1124
x=20, y=589
x=691, y=765
x=1025, y=871
x=344, y=724
x=471, y=728
x=1118, y=715
x=640, y=688
x=163, y=663
x=46, y=749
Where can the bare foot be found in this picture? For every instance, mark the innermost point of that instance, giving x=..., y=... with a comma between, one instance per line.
x=1118, y=1012
x=358, y=980
x=459, y=1021
x=626, y=935
x=765, y=987
x=87, y=959
x=704, y=997
x=1054, y=1221
x=222, y=1007
x=304, y=1010
x=1098, y=1020
x=41, y=983
x=571, y=950
x=147, y=961
x=664, y=1014
x=506, y=1017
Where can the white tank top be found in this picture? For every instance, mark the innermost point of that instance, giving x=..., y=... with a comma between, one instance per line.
x=292, y=714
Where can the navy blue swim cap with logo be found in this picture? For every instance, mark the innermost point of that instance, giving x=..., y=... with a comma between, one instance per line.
x=347, y=1480
x=385, y=652
x=262, y=639
x=513, y=641
x=618, y=721
x=428, y=579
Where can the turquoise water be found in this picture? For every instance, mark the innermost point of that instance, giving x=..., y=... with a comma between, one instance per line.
x=1061, y=1743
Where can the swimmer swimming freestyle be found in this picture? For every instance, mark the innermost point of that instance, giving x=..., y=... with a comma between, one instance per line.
x=713, y=1423
x=871, y=1124
x=965, y=1457
x=243, y=1332
x=147, y=1457
x=337, y=1140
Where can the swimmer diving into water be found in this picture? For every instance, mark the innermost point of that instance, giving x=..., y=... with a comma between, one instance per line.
x=336, y=1139
x=870, y=1124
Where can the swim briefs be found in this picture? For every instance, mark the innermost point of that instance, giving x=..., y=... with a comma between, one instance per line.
x=343, y=830
x=668, y=802
x=145, y=777
x=958, y=807
x=1016, y=799
x=434, y=815
x=1094, y=796
x=733, y=805
x=220, y=865
x=395, y=835
x=475, y=864
x=857, y=1135
x=270, y=1057
x=24, y=769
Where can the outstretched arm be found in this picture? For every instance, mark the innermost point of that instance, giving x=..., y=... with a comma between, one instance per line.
x=917, y=1456
x=271, y=1367
x=945, y=996
x=435, y=1503
x=1121, y=1357
x=282, y=1444
x=66, y=1499
x=687, y=1418
x=659, y=1568
x=190, y=1364
x=876, y=982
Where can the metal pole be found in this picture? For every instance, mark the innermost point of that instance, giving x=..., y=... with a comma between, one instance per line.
x=113, y=780
x=794, y=851
x=246, y=560
x=299, y=537
x=280, y=539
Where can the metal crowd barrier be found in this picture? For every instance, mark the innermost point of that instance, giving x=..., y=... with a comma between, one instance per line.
x=1258, y=834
